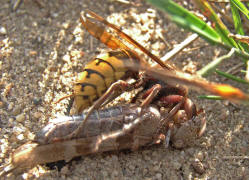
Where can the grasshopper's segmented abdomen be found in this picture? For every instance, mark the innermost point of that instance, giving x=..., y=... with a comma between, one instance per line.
x=101, y=122
x=99, y=74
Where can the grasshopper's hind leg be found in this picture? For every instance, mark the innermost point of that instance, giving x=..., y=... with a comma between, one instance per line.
x=119, y=85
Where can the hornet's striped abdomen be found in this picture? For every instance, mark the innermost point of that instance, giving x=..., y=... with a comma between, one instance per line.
x=99, y=74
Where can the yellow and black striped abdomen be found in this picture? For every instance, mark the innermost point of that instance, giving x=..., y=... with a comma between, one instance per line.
x=98, y=75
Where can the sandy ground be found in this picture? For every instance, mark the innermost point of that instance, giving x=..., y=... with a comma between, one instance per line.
x=42, y=48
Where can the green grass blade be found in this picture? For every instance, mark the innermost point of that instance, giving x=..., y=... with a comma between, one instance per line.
x=240, y=53
x=236, y=19
x=211, y=97
x=241, y=7
x=229, y=76
x=217, y=24
x=206, y=70
x=187, y=20
x=238, y=25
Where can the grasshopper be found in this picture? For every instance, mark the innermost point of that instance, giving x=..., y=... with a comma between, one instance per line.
x=110, y=129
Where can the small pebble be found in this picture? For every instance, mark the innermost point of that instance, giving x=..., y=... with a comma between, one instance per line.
x=111, y=8
x=20, y=117
x=115, y=173
x=32, y=53
x=17, y=110
x=37, y=115
x=200, y=156
x=20, y=137
x=198, y=166
x=25, y=176
x=156, y=168
x=3, y=31
x=145, y=171
x=10, y=120
x=1, y=104
x=241, y=171
x=148, y=178
x=37, y=101
x=176, y=165
x=158, y=176
x=10, y=106
x=66, y=58
x=131, y=167
x=65, y=25
x=54, y=15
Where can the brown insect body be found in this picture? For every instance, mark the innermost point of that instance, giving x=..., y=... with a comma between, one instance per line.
x=114, y=128
x=100, y=122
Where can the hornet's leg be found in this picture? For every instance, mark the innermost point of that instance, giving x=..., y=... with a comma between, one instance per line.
x=119, y=85
x=187, y=104
x=168, y=120
x=183, y=128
